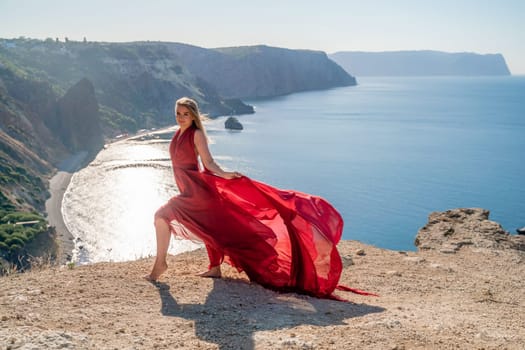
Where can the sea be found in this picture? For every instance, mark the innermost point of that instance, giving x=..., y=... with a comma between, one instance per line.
x=386, y=153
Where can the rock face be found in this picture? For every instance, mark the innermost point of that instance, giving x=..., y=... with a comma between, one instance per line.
x=37, y=130
x=25, y=105
x=262, y=71
x=77, y=121
x=450, y=230
x=420, y=63
x=233, y=123
x=27, y=147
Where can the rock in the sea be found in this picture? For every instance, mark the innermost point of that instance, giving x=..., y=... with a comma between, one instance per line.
x=233, y=124
x=360, y=252
x=450, y=230
x=521, y=231
x=347, y=260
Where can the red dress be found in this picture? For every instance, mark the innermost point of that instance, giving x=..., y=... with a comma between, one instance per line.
x=284, y=240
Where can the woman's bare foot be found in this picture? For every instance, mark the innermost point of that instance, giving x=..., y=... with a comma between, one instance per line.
x=158, y=269
x=214, y=272
x=148, y=278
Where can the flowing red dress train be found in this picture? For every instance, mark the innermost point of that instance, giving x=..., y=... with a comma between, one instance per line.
x=284, y=240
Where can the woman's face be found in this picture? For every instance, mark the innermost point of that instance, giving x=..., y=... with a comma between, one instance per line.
x=184, y=117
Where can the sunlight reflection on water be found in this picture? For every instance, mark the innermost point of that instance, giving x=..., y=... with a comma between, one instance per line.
x=109, y=205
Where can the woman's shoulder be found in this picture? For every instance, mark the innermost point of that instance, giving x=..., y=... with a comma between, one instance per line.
x=198, y=132
x=198, y=136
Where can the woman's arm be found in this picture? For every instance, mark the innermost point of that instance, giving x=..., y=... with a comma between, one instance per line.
x=207, y=160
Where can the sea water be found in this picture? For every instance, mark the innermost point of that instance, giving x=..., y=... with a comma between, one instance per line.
x=386, y=153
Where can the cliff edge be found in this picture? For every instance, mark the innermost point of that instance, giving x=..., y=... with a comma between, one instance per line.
x=421, y=63
x=470, y=299
x=262, y=71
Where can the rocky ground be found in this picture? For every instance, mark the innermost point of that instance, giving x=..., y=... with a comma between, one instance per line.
x=468, y=295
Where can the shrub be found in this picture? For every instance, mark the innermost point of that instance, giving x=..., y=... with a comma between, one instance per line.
x=15, y=241
x=15, y=247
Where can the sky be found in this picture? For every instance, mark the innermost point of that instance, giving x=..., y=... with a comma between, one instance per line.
x=480, y=26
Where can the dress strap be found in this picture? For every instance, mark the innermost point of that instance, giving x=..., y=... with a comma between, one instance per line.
x=192, y=135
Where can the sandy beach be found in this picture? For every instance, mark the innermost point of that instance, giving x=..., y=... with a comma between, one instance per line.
x=57, y=187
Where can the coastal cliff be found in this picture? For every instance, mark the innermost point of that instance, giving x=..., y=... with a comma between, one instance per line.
x=420, y=63
x=262, y=71
x=136, y=83
x=469, y=297
x=38, y=128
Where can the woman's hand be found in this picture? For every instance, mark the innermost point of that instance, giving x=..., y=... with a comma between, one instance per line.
x=231, y=175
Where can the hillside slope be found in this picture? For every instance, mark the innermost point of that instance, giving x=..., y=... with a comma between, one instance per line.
x=135, y=83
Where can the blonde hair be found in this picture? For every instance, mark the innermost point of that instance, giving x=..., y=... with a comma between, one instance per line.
x=194, y=110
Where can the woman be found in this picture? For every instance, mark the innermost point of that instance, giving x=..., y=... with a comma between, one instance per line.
x=283, y=240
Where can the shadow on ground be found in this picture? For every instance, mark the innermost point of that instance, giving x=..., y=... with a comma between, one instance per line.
x=235, y=309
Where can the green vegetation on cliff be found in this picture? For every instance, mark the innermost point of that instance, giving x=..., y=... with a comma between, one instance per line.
x=18, y=230
x=32, y=187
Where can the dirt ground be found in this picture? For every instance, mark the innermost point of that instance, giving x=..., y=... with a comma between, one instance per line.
x=473, y=299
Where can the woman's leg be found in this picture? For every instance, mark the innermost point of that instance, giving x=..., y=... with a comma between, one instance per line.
x=216, y=257
x=162, y=231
